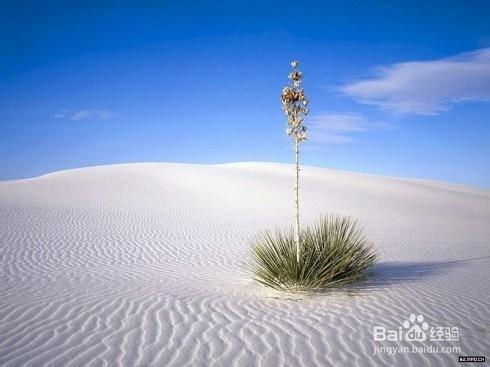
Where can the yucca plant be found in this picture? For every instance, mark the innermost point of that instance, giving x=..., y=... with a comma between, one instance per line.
x=294, y=104
x=334, y=251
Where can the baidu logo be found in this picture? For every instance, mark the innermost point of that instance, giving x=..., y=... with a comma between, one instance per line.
x=415, y=328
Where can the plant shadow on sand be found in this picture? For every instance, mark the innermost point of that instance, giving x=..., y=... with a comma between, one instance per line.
x=390, y=274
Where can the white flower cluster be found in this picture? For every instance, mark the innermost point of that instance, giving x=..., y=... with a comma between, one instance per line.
x=294, y=104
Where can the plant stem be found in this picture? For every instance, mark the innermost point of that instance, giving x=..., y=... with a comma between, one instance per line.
x=296, y=201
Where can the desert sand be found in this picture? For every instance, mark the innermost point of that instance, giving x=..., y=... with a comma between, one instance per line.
x=143, y=264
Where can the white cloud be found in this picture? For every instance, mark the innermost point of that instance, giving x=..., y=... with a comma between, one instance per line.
x=85, y=115
x=334, y=127
x=426, y=87
x=91, y=115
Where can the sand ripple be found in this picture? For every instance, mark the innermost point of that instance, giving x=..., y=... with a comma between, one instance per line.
x=141, y=264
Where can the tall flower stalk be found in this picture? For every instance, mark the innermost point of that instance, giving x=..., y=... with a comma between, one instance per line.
x=294, y=105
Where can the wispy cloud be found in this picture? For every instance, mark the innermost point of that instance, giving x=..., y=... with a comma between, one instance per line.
x=335, y=127
x=85, y=115
x=426, y=87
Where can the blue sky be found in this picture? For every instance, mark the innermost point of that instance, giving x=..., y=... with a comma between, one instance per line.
x=396, y=88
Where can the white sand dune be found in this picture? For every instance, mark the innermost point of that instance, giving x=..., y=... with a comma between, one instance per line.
x=141, y=264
